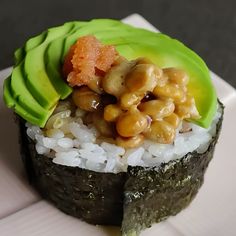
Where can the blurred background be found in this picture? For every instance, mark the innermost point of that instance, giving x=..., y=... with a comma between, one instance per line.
x=206, y=26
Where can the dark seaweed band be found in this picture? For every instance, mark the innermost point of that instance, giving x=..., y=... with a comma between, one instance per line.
x=147, y=195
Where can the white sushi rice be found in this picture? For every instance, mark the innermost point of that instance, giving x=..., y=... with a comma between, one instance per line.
x=74, y=144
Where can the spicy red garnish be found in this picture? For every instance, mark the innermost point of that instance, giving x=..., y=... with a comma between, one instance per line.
x=85, y=58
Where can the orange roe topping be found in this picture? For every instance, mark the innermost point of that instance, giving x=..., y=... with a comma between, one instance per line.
x=86, y=57
x=106, y=57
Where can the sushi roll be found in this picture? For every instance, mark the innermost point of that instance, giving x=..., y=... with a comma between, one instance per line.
x=117, y=124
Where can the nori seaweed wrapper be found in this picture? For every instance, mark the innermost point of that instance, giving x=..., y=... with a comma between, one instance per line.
x=154, y=194
x=95, y=197
x=135, y=199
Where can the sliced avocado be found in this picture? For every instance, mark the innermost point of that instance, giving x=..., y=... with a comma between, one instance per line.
x=19, y=54
x=7, y=96
x=12, y=103
x=53, y=66
x=35, y=41
x=35, y=72
x=19, y=92
x=130, y=42
x=23, y=97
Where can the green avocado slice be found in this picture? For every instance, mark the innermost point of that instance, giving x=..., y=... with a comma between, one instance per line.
x=19, y=95
x=19, y=55
x=7, y=96
x=12, y=103
x=35, y=41
x=30, y=44
x=53, y=66
x=37, y=79
x=24, y=98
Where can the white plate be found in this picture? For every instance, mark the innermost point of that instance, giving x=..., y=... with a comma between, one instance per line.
x=213, y=212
